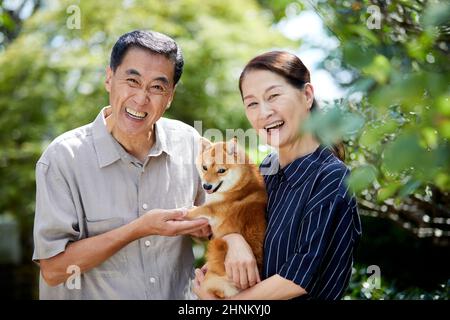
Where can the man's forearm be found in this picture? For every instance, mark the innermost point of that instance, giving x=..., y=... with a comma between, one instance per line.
x=88, y=253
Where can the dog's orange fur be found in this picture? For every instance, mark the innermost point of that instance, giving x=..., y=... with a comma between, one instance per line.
x=238, y=208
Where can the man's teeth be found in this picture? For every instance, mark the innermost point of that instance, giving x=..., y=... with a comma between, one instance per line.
x=274, y=125
x=136, y=114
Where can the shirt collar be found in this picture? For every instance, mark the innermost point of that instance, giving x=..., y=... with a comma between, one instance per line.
x=162, y=142
x=104, y=143
x=299, y=170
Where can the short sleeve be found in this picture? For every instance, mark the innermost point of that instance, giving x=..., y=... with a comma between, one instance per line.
x=324, y=222
x=56, y=221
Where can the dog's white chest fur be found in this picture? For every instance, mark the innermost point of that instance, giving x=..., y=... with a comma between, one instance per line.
x=213, y=197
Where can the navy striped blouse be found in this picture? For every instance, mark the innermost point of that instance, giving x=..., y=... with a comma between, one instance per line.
x=313, y=223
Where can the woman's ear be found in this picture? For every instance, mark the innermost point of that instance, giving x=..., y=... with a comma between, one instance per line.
x=309, y=94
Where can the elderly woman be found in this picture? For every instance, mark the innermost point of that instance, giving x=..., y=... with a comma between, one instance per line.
x=313, y=225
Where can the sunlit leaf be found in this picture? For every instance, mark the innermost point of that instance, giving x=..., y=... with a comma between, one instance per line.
x=333, y=125
x=443, y=104
x=362, y=177
x=444, y=128
x=379, y=69
x=430, y=136
x=388, y=191
x=403, y=154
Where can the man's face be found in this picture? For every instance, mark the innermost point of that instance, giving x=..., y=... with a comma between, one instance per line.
x=139, y=91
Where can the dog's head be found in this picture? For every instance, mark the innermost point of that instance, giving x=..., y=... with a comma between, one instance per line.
x=220, y=165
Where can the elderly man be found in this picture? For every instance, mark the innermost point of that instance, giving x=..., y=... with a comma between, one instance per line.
x=107, y=191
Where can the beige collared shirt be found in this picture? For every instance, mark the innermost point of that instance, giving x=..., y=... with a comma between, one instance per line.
x=87, y=184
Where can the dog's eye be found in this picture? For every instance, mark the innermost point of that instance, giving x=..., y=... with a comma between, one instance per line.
x=221, y=170
x=205, y=168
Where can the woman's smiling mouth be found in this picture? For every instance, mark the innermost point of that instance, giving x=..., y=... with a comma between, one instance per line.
x=138, y=115
x=274, y=125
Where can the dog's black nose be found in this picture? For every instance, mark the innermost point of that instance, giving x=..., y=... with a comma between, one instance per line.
x=207, y=186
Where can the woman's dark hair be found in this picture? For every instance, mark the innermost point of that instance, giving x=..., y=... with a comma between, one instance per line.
x=152, y=41
x=292, y=69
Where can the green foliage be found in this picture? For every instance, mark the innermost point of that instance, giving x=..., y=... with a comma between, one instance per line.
x=12, y=14
x=400, y=88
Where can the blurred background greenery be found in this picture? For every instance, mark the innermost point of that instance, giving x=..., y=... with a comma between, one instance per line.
x=388, y=59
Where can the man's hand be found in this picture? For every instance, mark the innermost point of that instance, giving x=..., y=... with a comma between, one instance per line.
x=168, y=223
x=240, y=263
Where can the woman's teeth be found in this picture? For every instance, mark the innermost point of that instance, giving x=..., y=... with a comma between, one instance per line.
x=274, y=125
x=136, y=114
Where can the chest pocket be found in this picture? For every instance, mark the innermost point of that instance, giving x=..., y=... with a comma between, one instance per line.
x=116, y=265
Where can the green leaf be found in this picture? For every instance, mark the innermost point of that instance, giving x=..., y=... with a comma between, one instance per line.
x=379, y=69
x=436, y=14
x=404, y=153
x=333, y=125
x=444, y=128
x=409, y=188
x=357, y=55
x=387, y=191
x=361, y=177
x=443, y=104
x=430, y=136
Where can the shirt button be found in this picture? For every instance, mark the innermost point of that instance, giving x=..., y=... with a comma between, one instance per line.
x=152, y=280
x=145, y=206
x=147, y=243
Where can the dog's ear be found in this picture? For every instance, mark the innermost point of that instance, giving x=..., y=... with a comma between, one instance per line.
x=204, y=144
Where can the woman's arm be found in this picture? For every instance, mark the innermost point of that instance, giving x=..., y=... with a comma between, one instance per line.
x=240, y=263
x=273, y=288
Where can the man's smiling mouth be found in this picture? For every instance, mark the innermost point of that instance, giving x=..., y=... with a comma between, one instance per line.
x=138, y=115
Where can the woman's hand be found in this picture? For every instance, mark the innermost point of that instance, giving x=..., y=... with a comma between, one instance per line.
x=203, y=233
x=240, y=263
x=199, y=278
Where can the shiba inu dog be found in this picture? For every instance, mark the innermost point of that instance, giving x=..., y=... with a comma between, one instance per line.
x=235, y=203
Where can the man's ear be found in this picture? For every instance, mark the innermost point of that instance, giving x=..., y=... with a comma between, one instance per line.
x=169, y=103
x=109, y=74
x=309, y=94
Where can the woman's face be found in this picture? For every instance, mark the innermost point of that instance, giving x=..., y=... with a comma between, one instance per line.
x=274, y=107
